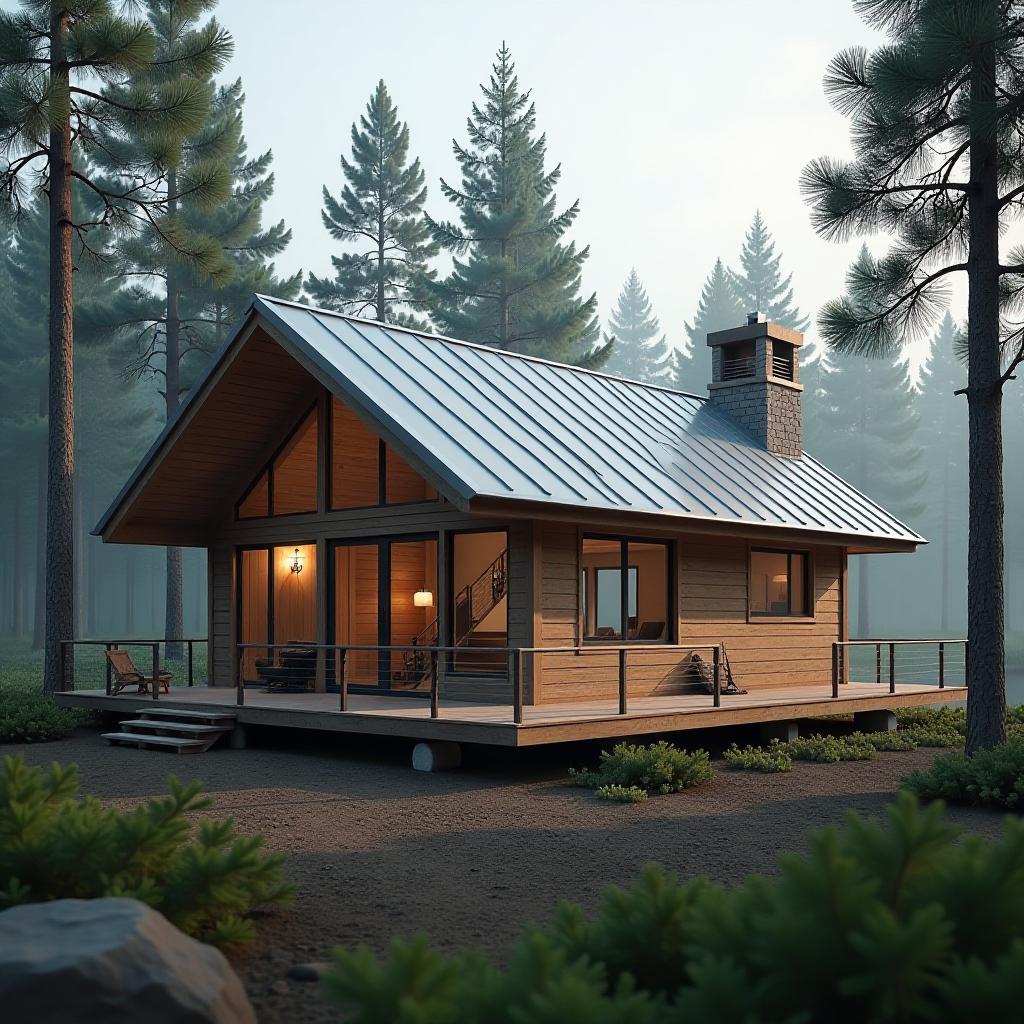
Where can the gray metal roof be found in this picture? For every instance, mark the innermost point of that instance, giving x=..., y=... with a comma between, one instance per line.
x=495, y=425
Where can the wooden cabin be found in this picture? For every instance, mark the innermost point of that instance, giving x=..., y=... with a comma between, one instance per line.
x=430, y=505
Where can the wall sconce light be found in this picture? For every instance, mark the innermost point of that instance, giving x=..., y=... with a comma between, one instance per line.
x=423, y=599
x=296, y=562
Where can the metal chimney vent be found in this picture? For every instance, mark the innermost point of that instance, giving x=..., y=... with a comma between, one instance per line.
x=757, y=318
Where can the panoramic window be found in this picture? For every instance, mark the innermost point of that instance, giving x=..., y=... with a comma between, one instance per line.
x=625, y=589
x=778, y=583
x=288, y=484
x=355, y=461
x=479, y=600
x=402, y=482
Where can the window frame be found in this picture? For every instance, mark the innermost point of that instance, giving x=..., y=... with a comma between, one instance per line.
x=268, y=468
x=808, y=615
x=624, y=640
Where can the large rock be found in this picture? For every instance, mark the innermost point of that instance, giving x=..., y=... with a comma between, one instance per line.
x=111, y=960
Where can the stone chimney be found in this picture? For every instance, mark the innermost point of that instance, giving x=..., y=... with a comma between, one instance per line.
x=754, y=379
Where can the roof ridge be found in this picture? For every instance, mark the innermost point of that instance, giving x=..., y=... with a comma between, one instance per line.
x=479, y=347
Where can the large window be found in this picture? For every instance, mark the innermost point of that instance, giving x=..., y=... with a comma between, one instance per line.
x=479, y=601
x=287, y=484
x=367, y=472
x=624, y=586
x=779, y=583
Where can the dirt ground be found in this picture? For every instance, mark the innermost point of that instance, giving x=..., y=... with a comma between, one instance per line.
x=378, y=850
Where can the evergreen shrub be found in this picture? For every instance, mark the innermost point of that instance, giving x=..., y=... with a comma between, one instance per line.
x=56, y=846
x=830, y=749
x=993, y=777
x=658, y=768
x=878, y=922
x=773, y=758
x=622, y=794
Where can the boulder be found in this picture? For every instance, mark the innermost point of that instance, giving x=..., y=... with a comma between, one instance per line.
x=111, y=960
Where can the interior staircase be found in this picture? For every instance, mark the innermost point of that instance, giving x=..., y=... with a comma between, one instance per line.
x=184, y=732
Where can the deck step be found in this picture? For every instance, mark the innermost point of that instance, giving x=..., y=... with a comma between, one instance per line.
x=142, y=740
x=226, y=718
x=185, y=728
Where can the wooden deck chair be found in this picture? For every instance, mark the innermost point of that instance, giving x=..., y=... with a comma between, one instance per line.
x=126, y=674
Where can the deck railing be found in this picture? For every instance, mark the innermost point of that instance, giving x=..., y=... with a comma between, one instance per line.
x=333, y=660
x=891, y=657
x=152, y=661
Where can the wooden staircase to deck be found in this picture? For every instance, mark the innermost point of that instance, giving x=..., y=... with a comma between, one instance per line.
x=184, y=732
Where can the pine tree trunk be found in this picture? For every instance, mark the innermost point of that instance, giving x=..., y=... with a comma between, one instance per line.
x=18, y=583
x=60, y=563
x=986, y=700
x=173, y=631
x=945, y=615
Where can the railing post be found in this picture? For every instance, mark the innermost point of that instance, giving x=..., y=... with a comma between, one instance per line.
x=892, y=668
x=515, y=671
x=156, y=671
x=622, y=681
x=878, y=664
x=342, y=679
x=109, y=647
x=189, y=644
x=716, y=659
x=942, y=665
x=240, y=687
x=433, y=683
x=967, y=675
x=835, y=668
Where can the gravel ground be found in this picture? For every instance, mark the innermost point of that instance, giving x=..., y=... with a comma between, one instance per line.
x=378, y=850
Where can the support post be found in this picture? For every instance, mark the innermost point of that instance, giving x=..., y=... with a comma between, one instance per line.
x=515, y=671
x=189, y=647
x=878, y=664
x=942, y=665
x=892, y=668
x=835, y=669
x=623, y=699
x=967, y=661
x=109, y=647
x=240, y=687
x=716, y=659
x=434, y=711
x=342, y=679
x=155, y=687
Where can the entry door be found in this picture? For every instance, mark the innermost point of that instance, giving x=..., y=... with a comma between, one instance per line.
x=384, y=594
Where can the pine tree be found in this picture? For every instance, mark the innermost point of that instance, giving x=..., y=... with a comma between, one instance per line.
x=380, y=208
x=66, y=92
x=938, y=165
x=944, y=423
x=514, y=284
x=638, y=353
x=719, y=309
x=759, y=284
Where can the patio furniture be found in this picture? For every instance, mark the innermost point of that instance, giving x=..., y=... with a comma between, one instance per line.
x=294, y=672
x=125, y=674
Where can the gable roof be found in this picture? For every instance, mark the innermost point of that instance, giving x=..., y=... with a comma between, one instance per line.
x=497, y=427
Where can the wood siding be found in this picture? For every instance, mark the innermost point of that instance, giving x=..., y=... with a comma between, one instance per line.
x=711, y=594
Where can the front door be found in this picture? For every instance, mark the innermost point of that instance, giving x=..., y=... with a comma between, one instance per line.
x=384, y=594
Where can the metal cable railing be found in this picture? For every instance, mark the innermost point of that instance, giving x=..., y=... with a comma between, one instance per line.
x=941, y=662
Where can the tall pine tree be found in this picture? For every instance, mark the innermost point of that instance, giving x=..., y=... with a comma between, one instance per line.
x=641, y=351
x=760, y=285
x=718, y=310
x=515, y=284
x=380, y=210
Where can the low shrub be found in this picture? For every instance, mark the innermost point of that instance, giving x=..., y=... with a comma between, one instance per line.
x=896, y=921
x=658, y=768
x=56, y=846
x=29, y=716
x=884, y=740
x=940, y=719
x=830, y=749
x=622, y=794
x=928, y=736
x=993, y=777
x=772, y=758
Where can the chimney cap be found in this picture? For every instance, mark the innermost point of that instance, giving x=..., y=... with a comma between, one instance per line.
x=757, y=317
x=758, y=329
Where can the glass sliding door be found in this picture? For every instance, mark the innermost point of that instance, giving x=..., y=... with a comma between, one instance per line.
x=356, y=608
x=412, y=610
x=253, y=607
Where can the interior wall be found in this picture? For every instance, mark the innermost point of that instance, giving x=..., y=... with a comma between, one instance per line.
x=294, y=595
x=355, y=607
x=472, y=553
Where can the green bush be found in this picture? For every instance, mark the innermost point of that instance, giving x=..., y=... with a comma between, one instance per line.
x=830, y=749
x=29, y=716
x=884, y=740
x=940, y=719
x=993, y=777
x=622, y=794
x=658, y=768
x=773, y=758
x=897, y=922
x=54, y=846
x=928, y=736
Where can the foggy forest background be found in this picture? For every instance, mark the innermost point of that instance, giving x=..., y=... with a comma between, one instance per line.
x=896, y=432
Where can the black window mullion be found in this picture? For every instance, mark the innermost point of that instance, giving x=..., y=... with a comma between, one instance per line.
x=624, y=588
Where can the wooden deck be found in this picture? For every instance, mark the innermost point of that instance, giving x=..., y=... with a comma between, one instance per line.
x=492, y=724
